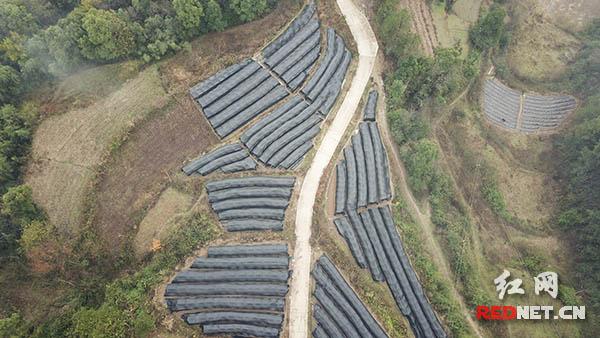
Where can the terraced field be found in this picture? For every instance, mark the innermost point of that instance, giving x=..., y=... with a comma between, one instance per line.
x=524, y=112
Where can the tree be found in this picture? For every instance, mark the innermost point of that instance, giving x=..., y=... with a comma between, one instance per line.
x=10, y=83
x=213, y=16
x=248, y=10
x=16, y=18
x=106, y=321
x=188, y=14
x=18, y=206
x=15, y=137
x=420, y=161
x=106, y=36
x=395, y=30
x=489, y=31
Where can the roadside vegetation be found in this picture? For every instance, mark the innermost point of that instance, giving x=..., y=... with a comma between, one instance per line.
x=91, y=292
x=417, y=87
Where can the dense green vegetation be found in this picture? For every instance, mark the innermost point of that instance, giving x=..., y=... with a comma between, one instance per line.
x=580, y=219
x=489, y=31
x=122, y=307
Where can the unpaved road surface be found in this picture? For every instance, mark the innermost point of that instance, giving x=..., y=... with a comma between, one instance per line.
x=300, y=285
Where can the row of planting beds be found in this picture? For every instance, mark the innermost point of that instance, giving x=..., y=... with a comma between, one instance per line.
x=338, y=311
x=362, y=176
x=503, y=105
x=283, y=137
x=227, y=159
x=251, y=203
x=293, y=53
x=545, y=111
x=371, y=233
x=236, y=95
x=236, y=290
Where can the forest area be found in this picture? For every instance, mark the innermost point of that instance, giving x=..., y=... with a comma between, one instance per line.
x=42, y=42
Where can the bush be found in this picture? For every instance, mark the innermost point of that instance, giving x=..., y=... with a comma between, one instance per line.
x=489, y=31
x=13, y=326
x=248, y=10
x=106, y=36
x=420, y=160
x=395, y=31
x=104, y=322
x=18, y=206
x=10, y=83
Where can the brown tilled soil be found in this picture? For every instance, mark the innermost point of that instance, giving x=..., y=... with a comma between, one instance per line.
x=422, y=23
x=154, y=152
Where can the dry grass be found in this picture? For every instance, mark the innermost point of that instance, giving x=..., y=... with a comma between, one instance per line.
x=540, y=50
x=571, y=15
x=67, y=148
x=452, y=28
x=160, y=220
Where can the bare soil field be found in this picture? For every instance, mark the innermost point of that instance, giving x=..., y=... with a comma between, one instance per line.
x=68, y=148
x=144, y=165
x=422, y=23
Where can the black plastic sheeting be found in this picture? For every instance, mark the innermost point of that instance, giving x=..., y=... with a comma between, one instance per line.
x=326, y=322
x=361, y=170
x=246, y=275
x=295, y=51
x=228, y=159
x=362, y=177
x=326, y=82
x=366, y=245
x=237, y=290
x=297, y=24
x=241, y=263
x=263, y=289
x=255, y=181
x=240, y=330
x=248, y=250
x=370, y=111
x=223, y=317
x=272, y=304
x=282, y=138
x=340, y=188
x=383, y=245
x=340, y=295
x=236, y=95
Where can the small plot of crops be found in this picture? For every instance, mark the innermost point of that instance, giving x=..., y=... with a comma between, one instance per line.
x=367, y=225
x=339, y=312
x=236, y=290
x=524, y=112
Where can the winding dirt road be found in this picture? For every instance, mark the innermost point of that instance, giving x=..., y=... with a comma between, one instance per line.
x=300, y=285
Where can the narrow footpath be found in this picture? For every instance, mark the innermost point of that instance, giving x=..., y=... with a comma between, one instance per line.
x=300, y=284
